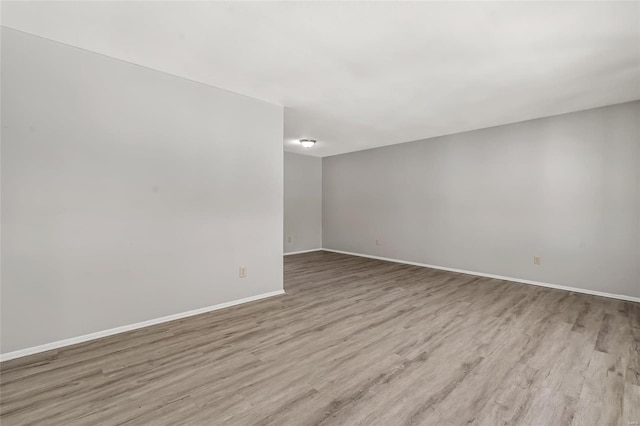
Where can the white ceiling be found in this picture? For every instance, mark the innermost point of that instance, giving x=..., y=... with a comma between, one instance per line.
x=359, y=75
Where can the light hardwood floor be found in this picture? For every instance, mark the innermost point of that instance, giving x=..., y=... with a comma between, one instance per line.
x=354, y=341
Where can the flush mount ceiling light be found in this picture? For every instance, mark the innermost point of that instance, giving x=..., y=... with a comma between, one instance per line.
x=307, y=143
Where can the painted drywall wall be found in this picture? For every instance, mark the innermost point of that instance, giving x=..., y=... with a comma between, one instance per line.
x=565, y=188
x=128, y=194
x=302, y=202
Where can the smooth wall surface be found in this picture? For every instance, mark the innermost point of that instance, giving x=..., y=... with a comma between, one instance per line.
x=564, y=188
x=128, y=194
x=302, y=202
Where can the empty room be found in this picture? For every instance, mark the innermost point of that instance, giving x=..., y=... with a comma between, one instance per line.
x=320, y=213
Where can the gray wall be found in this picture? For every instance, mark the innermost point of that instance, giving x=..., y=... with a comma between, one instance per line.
x=128, y=194
x=565, y=188
x=302, y=202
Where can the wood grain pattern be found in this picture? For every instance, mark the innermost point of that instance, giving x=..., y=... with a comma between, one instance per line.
x=354, y=341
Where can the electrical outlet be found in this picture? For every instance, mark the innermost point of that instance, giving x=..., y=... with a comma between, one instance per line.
x=377, y=242
x=289, y=239
x=537, y=260
x=243, y=272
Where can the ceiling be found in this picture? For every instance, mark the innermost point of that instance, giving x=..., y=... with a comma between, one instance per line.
x=357, y=75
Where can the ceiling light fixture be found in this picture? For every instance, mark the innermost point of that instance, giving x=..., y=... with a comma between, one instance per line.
x=307, y=143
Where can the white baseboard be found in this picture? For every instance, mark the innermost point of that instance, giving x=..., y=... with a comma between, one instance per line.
x=481, y=274
x=130, y=327
x=302, y=251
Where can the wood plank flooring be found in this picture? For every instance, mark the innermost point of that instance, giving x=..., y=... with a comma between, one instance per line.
x=354, y=341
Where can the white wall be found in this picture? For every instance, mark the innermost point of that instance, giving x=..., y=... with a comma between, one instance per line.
x=128, y=194
x=565, y=188
x=302, y=202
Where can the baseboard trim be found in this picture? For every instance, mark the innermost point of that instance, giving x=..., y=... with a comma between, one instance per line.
x=500, y=277
x=110, y=332
x=302, y=251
